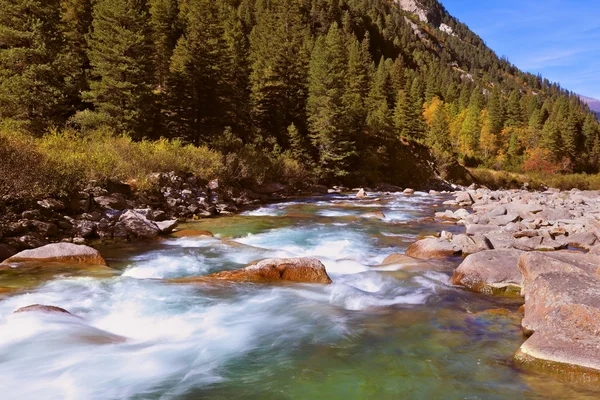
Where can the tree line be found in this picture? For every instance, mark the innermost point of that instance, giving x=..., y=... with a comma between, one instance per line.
x=341, y=85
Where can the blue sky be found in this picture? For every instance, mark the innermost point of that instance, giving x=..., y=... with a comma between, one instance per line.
x=558, y=38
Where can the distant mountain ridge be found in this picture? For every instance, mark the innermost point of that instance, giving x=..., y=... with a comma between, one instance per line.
x=593, y=104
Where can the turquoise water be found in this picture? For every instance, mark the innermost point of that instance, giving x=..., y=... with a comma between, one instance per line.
x=400, y=331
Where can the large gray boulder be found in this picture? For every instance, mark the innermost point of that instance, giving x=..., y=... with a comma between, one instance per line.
x=59, y=252
x=490, y=271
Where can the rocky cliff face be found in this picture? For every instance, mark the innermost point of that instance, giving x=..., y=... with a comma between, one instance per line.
x=414, y=7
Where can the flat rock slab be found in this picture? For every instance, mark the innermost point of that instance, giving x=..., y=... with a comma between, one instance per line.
x=534, y=264
x=490, y=271
x=433, y=248
x=567, y=343
x=306, y=270
x=61, y=253
x=553, y=290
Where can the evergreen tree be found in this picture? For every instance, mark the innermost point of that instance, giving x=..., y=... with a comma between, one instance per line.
x=165, y=33
x=76, y=24
x=31, y=71
x=198, y=80
x=279, y=58
x=325, y=109
x=120, y=53
x=438, y=136
x=378, y=113
x=514, y=114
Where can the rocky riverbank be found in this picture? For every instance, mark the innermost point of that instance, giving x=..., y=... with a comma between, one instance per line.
x=115, y=211
x=544, y=246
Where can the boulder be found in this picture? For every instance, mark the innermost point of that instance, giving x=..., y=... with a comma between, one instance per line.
x=464, y=198
x=136, y=225
x=553, y=290
x=42, y=308
x=115, y=201
x=490, y=271
x=166, y=226
x=480, y=229
x=52, y=204
x=433, y=248
x=472, y=244
x=409, y=191
x=59, y=252
x=306, y=270
x=361, y=194
x=374, y=215
x=567, y=342
x=534, y=264
x=504, y=219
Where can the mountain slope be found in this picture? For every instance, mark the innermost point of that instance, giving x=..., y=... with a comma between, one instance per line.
x=353, y=91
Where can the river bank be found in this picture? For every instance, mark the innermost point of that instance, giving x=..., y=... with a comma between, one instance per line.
x=542, y=247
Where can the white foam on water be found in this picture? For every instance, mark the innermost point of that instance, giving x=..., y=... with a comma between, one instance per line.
x=176, y=337
x=163, y=266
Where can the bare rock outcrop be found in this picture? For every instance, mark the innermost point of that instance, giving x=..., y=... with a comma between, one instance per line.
x=306, y=270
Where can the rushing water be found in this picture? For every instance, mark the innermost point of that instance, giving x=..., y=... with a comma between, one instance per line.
x=400, y=331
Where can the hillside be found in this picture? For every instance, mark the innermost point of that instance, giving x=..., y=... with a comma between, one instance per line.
x=351, y=91
x=593, y=104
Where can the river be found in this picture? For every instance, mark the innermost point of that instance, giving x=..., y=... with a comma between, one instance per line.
x=399, y=331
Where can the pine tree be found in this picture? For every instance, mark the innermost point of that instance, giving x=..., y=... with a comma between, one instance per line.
x=76, y=24
x=495, y=113
x=198, y=82
x=438, y=136
x=379, y=116
x=31, y=72
x=165, y=33
x=514, y=113
x=325, y=109
x=279, y=58
x=357, y=88
x=120, y=53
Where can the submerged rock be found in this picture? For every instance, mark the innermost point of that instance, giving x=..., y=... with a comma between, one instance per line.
x=306, y=270
x=59, y=252
x=191, y=233
x=490, y=271
x=42, y=308
x=433, y=248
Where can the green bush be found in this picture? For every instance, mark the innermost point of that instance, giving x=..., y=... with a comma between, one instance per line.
x=61, y=161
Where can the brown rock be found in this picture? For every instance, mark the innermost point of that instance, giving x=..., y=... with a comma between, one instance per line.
x=534, y=264
x=552, y=290
x=567, y=342
x=433, y=248
x=374, y=215
x=59, y=252
x=307, y=270
x=490, y=271
x=191, y=233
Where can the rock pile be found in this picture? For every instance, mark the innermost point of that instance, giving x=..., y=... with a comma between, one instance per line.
x=518, y=242
x=115, y=210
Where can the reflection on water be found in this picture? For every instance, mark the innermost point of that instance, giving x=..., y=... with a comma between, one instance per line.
x=397, y=331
